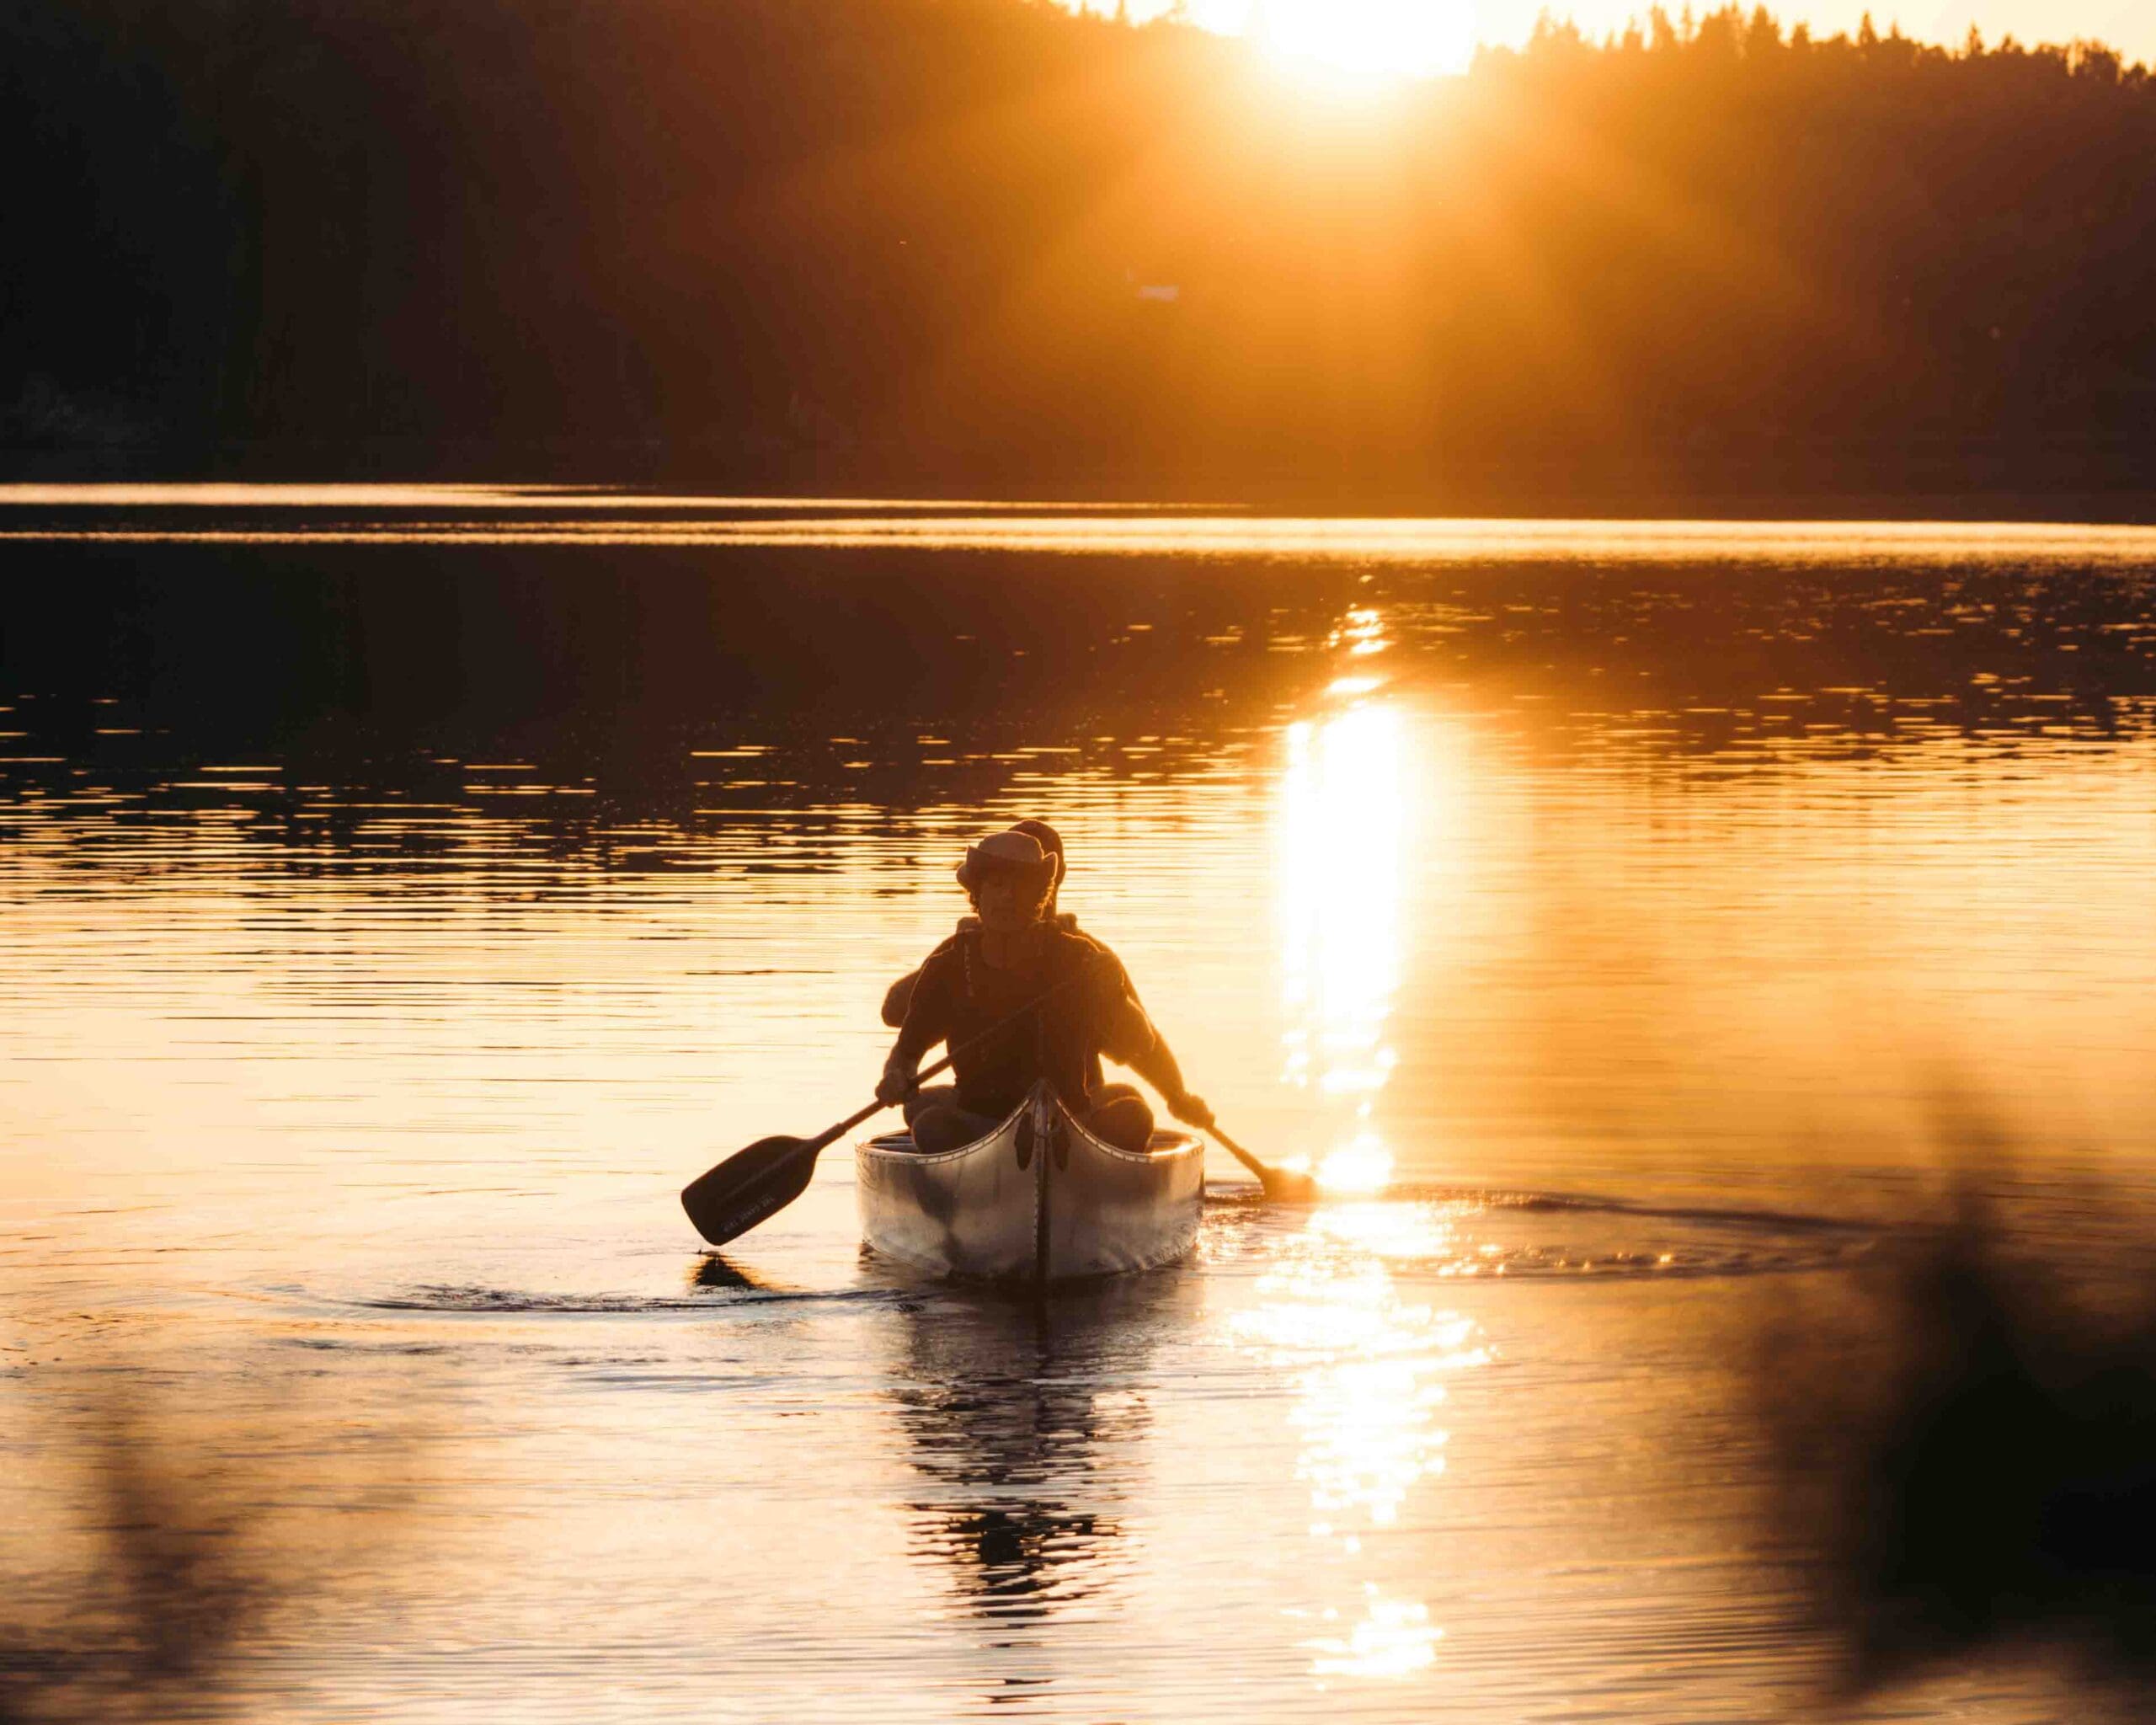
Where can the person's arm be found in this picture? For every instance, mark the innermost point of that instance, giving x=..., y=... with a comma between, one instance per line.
x=1158, y=1068
x=1131, y=1037
x=900, y=997
x=924, y=1025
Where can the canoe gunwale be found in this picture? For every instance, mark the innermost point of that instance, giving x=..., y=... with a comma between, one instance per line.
x=888, y=1143
x=1180, y=1146
x=884, y=1143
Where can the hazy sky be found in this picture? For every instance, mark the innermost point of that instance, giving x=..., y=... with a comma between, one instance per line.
x=2129, y=25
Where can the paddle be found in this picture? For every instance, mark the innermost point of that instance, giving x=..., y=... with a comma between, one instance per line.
x=729, y=1199
x=734, y=1196
x=1280, y=1185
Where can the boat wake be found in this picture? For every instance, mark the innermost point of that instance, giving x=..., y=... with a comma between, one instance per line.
x=1463, y=1233
x=1444, y=1231
x=512, y=1302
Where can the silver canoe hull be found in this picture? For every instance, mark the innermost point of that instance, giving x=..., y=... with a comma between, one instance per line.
x=1038, y=1199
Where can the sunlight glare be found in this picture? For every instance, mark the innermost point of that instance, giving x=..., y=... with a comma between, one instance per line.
x=1394, y=1639
x=1343, y=849
x=1368, y=1361
x=1427, y=1233
x=1364, y=1165
x=1364, y=41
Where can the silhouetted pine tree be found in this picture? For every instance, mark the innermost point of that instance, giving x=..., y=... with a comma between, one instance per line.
x=752, y=232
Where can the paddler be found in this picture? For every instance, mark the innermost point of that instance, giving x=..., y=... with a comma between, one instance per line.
x=899, y=996
x=901, y=992
x=1015, y=954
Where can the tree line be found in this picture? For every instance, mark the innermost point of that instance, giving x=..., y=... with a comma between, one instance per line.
x=935, y=242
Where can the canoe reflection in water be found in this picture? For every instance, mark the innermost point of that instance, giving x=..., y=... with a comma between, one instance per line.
x=1027, y=1418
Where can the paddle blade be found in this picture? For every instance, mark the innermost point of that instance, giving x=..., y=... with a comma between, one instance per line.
x=1280, y=1185
x=1286, y=1186
x=732, y=1198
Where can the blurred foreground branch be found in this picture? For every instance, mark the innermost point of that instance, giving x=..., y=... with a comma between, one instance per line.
x=187, y=1548
x=1967, y=1461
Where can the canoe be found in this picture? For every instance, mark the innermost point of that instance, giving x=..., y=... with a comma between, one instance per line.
x=1039, y=1199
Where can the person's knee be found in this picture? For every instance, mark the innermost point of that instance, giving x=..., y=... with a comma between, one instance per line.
x=935, y=1129
x=944, y=1126
x=934, y=1096
x=1124, y=1121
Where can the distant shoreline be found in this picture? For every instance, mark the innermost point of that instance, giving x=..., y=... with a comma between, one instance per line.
x=2112, y=487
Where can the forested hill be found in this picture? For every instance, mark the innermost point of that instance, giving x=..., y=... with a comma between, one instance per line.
x=936, y=242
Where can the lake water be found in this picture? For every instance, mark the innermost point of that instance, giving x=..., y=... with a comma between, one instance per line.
x=408, y=888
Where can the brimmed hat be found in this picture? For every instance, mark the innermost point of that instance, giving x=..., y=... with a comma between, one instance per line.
x=1018, y=853
x=1051, y=842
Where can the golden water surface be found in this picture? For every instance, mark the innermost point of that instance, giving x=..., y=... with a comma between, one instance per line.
x=1625, y=921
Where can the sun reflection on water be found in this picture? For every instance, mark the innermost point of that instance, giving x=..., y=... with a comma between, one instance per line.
x=1393, y=1638
x=1362, y=1165
x=1343, y=825
x=1366, y=1361
x=1365, y=1358
x=1425, y=1234
x=1342, y=815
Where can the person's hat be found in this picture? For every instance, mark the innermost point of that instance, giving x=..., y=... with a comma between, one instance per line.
x=1019, y=853
x=1051, y=842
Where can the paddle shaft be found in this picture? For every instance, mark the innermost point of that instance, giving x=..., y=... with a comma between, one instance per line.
x=967, y=1046
x=1268, y=1175
x=732, y=1197
x=1264, y=1170
x=1242, y=1155
x=852, y=1120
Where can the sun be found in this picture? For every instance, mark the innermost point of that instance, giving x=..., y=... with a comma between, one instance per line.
x=1373, y=40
